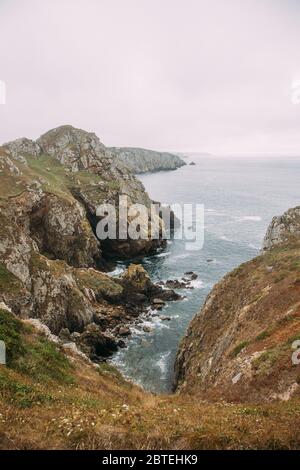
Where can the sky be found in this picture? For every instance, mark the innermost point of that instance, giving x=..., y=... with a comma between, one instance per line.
x=180, y=75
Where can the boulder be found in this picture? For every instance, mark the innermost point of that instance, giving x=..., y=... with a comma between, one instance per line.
x=124, y=331
x=136, y=279
x=97, y=344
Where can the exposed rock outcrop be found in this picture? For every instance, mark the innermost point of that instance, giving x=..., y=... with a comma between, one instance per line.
x=50, y=256
x=87, y=172
x=240, y=345
x=143, y=161
x=283, y=228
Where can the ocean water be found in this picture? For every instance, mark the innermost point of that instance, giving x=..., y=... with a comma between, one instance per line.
x=240, y=197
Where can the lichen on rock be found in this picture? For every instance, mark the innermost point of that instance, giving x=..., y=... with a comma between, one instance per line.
x=50, y=257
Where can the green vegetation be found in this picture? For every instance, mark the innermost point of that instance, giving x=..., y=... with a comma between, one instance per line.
x=8, y=282
x=238, y=349
x=263, y=335
x=264, y=363
x=100, y=283
x=10, y=333
x=291, y=340
x=39, y=359
x=60, y=406
x=19, y=393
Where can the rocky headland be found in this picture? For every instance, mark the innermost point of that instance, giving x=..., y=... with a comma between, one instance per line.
x=144, y=161
x=51, y=261
x=282, y=229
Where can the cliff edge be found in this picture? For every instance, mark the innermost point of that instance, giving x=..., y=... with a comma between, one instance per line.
x=283, y=228
x=50, y=257
x=239, y=346
x=143, y=161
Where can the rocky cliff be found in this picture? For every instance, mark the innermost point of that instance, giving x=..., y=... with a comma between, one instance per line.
x=50, y=257
x=239, y=346
x=283, y=228
x=143, y=161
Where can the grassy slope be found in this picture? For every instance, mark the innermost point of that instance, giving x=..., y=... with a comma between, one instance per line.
x=50, y=401
x=52, y=175
x=257, y=306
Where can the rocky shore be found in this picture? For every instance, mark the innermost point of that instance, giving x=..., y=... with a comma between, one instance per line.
x=51, y=261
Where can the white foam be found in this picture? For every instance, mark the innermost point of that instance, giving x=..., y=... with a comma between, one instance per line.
x=117, y=271
x=197, y=284
x=252, y=218
x=226, y=239
x=182, y=256
x=162, y=362
x=254, y=247
x=163, y=255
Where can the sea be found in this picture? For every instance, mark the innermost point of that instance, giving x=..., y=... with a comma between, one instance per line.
x=240, y=197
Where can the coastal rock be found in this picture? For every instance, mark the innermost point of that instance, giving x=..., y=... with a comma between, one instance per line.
x=139, y=291
x=135, y=279
x=283, y=228
x=143, y=161
x=60, y=229
x=239, y=346
x=165, y=318
x=147, y=329
x=97, y=344
x=50, y=257
x=79, y=153
x=124, y=331
x=191, y=275
x=184, y=283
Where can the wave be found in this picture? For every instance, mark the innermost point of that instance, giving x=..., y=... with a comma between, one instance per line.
x=253, y=246
x=226, y=239
x=117, y=271
x=182, y=256
x=197, y=284
x=162, y=255
x=162, y=363
x=252, y=218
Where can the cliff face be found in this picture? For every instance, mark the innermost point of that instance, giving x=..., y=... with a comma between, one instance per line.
x=49, y=255
x=239, y=346
x=283, y=228
x=143, y=161
x=75, y=166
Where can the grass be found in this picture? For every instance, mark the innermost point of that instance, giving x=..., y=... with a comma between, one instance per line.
x=99, y=409
x=100, y=283
x=10, y=333
x=238, y=349
x=36, y=357
x=53, y=177
x=8, y=282
x=263, y=335
x=265, y=362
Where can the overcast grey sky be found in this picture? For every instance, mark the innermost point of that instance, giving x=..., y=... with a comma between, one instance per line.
x=185, y=75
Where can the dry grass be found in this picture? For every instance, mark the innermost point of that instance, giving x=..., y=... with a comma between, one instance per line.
x=98, y=409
